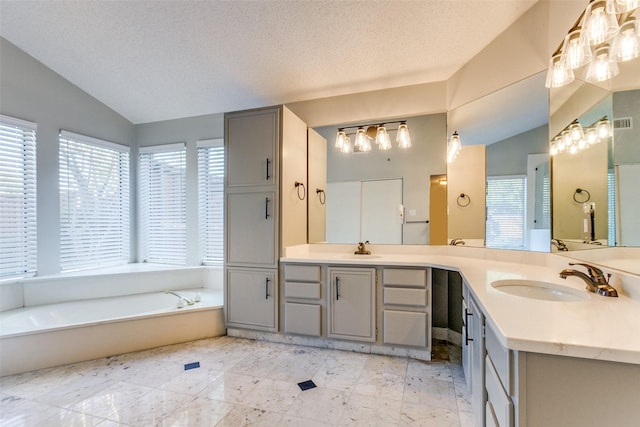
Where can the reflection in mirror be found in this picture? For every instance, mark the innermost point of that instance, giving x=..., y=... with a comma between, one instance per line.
x=384, y=195
x=510, y=128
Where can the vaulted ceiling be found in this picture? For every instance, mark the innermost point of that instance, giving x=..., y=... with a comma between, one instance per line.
x=159, y=60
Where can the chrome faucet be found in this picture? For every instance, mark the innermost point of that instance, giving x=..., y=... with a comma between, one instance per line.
x=559, y=244
x=595, y=280
x=189, y=301
x=362, y=249
x=456, y=242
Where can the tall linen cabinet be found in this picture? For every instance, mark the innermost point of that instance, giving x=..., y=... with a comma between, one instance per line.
x=265, y=210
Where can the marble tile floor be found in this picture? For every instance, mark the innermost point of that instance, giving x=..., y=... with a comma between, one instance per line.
x=241, y=382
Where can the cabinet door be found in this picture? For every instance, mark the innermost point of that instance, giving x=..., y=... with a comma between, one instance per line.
x=251, y=139
x=251, y=296
x=352, y=303
x=477, y=355
x=251, y=229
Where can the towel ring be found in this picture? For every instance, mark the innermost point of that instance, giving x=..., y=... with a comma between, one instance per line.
x=580, y=191
x=304, y=190
x=461, y=200
x=321, y=195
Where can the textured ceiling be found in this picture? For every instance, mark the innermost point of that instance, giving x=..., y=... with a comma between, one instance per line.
x=158, y=60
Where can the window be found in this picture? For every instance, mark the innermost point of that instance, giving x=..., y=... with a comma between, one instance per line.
x=210, y=200
x=162, y=204
x=611, y=208
x=94, y=202
x=506, y=207
x=17, y=198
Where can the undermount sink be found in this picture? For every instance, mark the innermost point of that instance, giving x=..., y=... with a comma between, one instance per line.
x=540, y=290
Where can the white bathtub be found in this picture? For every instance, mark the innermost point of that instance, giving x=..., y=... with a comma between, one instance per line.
x=42, y=336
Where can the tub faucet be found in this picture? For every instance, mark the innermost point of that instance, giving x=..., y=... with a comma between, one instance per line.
x=559, y=244
x=189, y=301
x=456, y=242
x=596, y=281
x=362, y=249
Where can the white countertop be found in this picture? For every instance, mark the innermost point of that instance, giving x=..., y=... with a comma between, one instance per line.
x=600, y=328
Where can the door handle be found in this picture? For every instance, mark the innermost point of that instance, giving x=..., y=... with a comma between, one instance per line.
x=466, y=327
x=266, y=288
x=268, y=163
x=266, y=208
x=337, y=288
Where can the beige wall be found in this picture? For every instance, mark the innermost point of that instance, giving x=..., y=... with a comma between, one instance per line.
x=466, y=175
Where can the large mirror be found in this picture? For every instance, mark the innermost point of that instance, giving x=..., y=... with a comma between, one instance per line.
x=603, y=178
x=384, y=196
x=500, y=180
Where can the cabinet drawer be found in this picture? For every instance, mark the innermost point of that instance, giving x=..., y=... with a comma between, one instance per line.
x=404, y=277
x=302, y=290
x=303, y=319
x=405, y=328
x=402, y=296
x=500, y=401
x=500, y=357
x=302, y=273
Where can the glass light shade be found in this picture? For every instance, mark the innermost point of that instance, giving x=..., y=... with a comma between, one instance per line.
x=623, y=6
x=559, y=143
x=382, y=138
x=575, y=51
x=347, y=147
x=582, y=144
x=453, y=147
x=576, y=132
x=602, y=67
x=626, y=45
x=340, y=139
x=603, y=129
x=566, y=138
x=573, y=149
x=554, y=149
x=592, y=136
x=600, y=22
x=558, y=73
x=361, y=138
x=403, y=138
x=366, y=145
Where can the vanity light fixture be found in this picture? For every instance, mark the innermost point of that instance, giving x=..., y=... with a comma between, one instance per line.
x=453, y=147
x=367, y=133
x=574, y=137
x=606, y=33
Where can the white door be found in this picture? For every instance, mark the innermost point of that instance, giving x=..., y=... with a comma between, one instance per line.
x=379, y=213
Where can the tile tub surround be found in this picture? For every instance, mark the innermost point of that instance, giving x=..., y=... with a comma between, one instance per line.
x=152, y=388
x=598, y=328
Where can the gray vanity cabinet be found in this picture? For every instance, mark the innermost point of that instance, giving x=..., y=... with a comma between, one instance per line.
x=406, y=296
x=352, y=303
x=253, y=140
x=473, y=353
x=251, y=299
x=302, y=299
x=251, y=229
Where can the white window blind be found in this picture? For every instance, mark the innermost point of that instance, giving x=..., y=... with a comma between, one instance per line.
x=611, y=208
x=162, y=204
x=506, y=208
x=94, y=202
x=211, y=200
x=17, y=197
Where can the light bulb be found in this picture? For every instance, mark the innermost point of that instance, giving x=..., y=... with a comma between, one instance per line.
x=602, y=67
x=347, y=147
x=558, y=73
x=575, y=50
x=361, y=137
x=576, y=132
x=340, y=139
x=626, y=45
x=603, y=129
x=403, y=138
x=366, y=145
x=554, y=149
x=453, y=147
x=591, y=136
x=573, y=149
x=600, y=22
x=382, y=138
x=582, y=144
x=566, y=138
